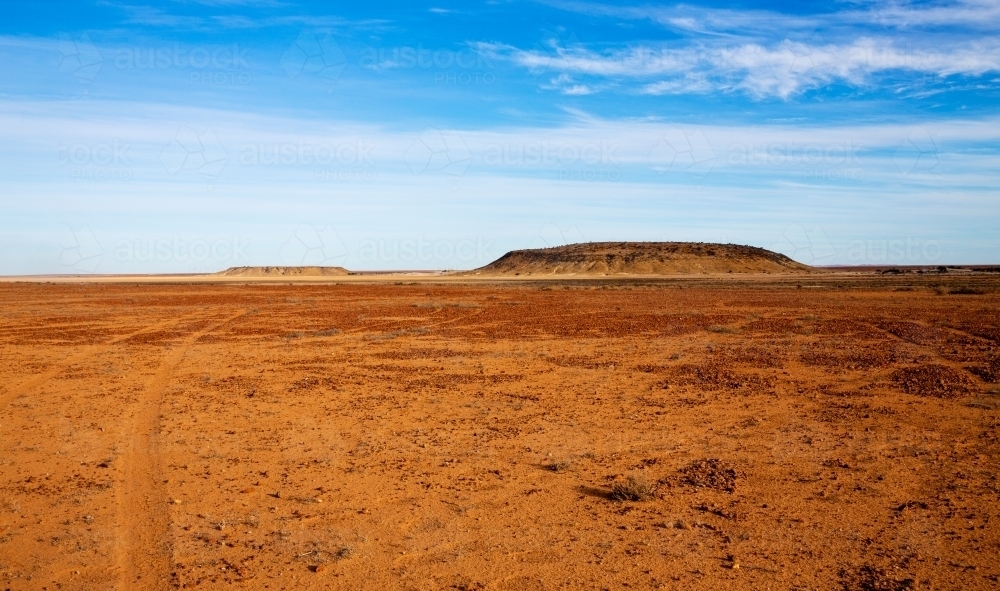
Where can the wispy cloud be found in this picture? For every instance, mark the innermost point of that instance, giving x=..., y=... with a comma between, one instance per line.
x=781, y=70
x=252, y=3
x=683, y=17
x=316, y=22
x=158, y=17
x=755, y=174
x=977, y=14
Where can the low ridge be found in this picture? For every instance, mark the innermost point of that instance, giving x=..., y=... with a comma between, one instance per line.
x=642, y=258
x=282, y=271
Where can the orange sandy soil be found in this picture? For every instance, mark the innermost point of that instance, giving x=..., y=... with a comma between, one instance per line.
x=470, y=437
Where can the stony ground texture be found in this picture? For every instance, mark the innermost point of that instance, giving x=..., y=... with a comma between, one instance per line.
x=511, y=436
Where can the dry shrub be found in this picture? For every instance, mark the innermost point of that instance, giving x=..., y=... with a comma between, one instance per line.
x=558, y=466
x=965, y=290
x=632, y=488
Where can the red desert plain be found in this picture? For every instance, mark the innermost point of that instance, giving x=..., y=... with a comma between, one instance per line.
x=834, y=430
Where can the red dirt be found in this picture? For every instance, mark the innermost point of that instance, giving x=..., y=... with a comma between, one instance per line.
x=359, y=436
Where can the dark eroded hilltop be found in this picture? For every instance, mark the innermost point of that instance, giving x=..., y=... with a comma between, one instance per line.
x=642, y=258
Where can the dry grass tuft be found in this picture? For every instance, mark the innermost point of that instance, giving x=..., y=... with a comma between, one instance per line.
x=633, y=488
x=558, y=466
x=718, y=328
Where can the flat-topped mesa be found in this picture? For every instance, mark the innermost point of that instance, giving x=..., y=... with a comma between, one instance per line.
x=642, y=258
x=282, y=271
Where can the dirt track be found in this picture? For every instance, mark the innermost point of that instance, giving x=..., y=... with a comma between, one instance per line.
x=471, y=436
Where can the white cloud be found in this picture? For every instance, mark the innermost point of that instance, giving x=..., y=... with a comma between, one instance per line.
x=779, y=70
x=693, y=19
x=976, y=14
x=935, y=175
x=39, y=129
x=265, y=3
x=688, y=84
x=158, y=17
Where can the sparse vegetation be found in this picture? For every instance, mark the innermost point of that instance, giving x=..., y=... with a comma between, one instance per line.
x=380, y=446
x=966, y=290
x=344, y=553
x=558, y=466
x=634, y=487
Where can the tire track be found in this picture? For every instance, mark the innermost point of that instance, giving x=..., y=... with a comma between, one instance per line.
x=73, y=359
x=143, y=548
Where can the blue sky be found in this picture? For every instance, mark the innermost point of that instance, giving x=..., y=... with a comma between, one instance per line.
x=194, y=135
